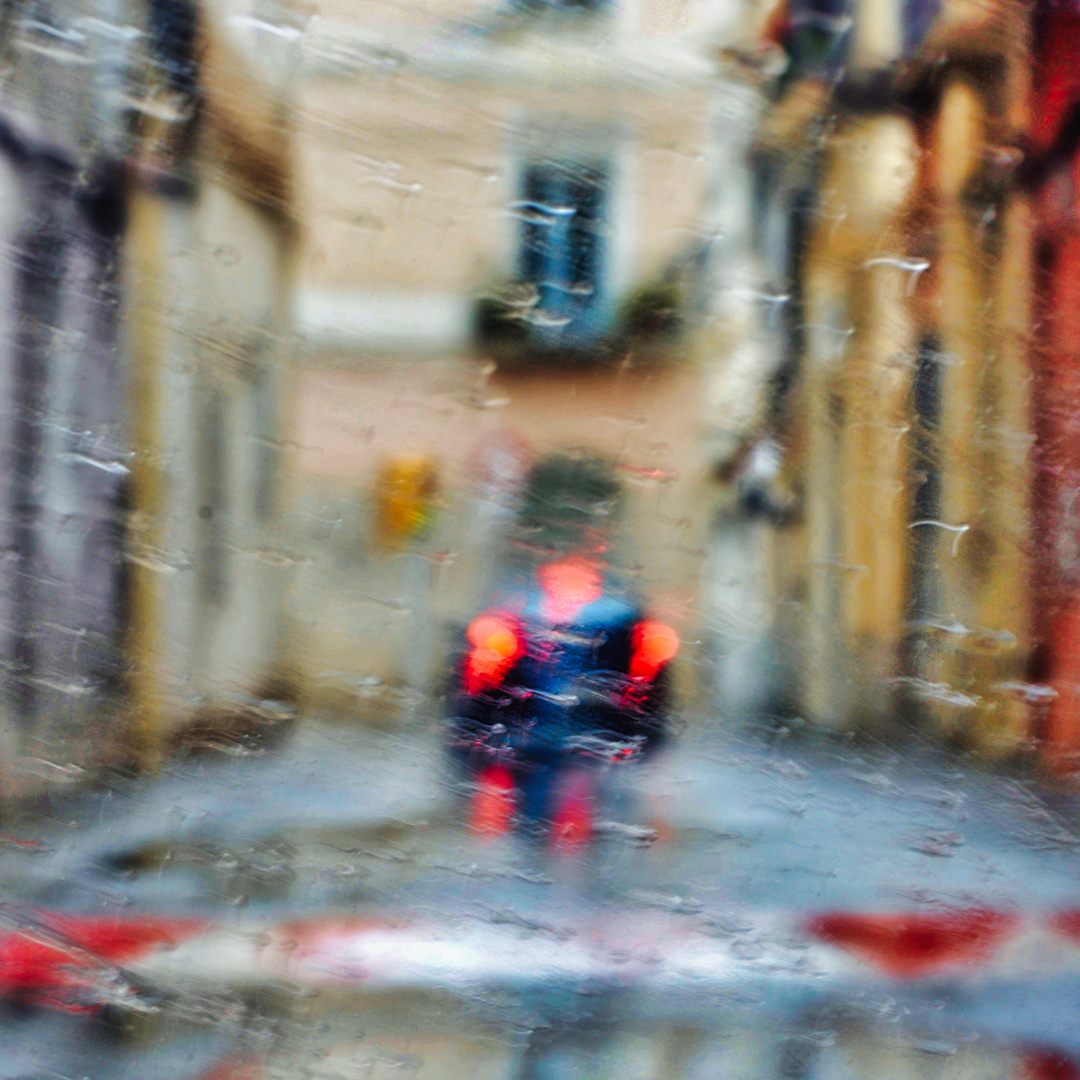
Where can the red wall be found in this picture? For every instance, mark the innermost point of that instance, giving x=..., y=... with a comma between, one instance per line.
x=1055, y=162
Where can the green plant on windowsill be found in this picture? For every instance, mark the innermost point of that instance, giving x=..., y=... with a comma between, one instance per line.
x=501, y=312
x=651, y=311
x=648, y=319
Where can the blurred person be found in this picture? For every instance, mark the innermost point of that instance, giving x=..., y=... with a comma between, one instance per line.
x=563, y=675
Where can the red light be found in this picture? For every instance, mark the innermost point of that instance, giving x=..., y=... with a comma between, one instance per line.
x=654, y=644
x=569, y=585
x=496, y=644
x=909, y=946
x=493, y=634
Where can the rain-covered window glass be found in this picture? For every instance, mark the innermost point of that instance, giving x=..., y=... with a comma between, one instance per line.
x=539, y=539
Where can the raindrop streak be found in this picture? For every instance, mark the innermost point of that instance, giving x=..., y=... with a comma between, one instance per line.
x=931, y=691
x=1029, y=692
x=114, y=467
x=73, y=36
x=914, y=267
x=287, y=32
x=958, y=529
x=543, y=208
x=774, y=301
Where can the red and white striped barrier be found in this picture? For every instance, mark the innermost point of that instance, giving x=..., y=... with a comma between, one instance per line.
x=82, y=963
x=74, y=963
x=72, y=960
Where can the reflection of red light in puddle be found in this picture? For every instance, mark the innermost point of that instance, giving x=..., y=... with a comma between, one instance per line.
x=569, y=585
x=492, y=806
x=238, y=1067
x=572, y=825
x=912, y=945
x=1049, y=1065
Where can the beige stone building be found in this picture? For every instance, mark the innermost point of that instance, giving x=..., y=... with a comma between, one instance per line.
x=453, y=161
x=904, y=574
x=209, y=251
x=147, y=247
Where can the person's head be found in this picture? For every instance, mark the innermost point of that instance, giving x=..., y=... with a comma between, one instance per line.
x=571, y=501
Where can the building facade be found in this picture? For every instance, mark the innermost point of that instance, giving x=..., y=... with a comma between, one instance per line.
x=62, y=148
x=210, y=250
x=906, y=560
x=146, y=241
x=526, y=227
x=1051, y=176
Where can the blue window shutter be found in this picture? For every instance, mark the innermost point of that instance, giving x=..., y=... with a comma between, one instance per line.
x=563, y=217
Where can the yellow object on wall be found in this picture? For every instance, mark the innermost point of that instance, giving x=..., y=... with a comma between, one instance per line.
x=405, y=498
